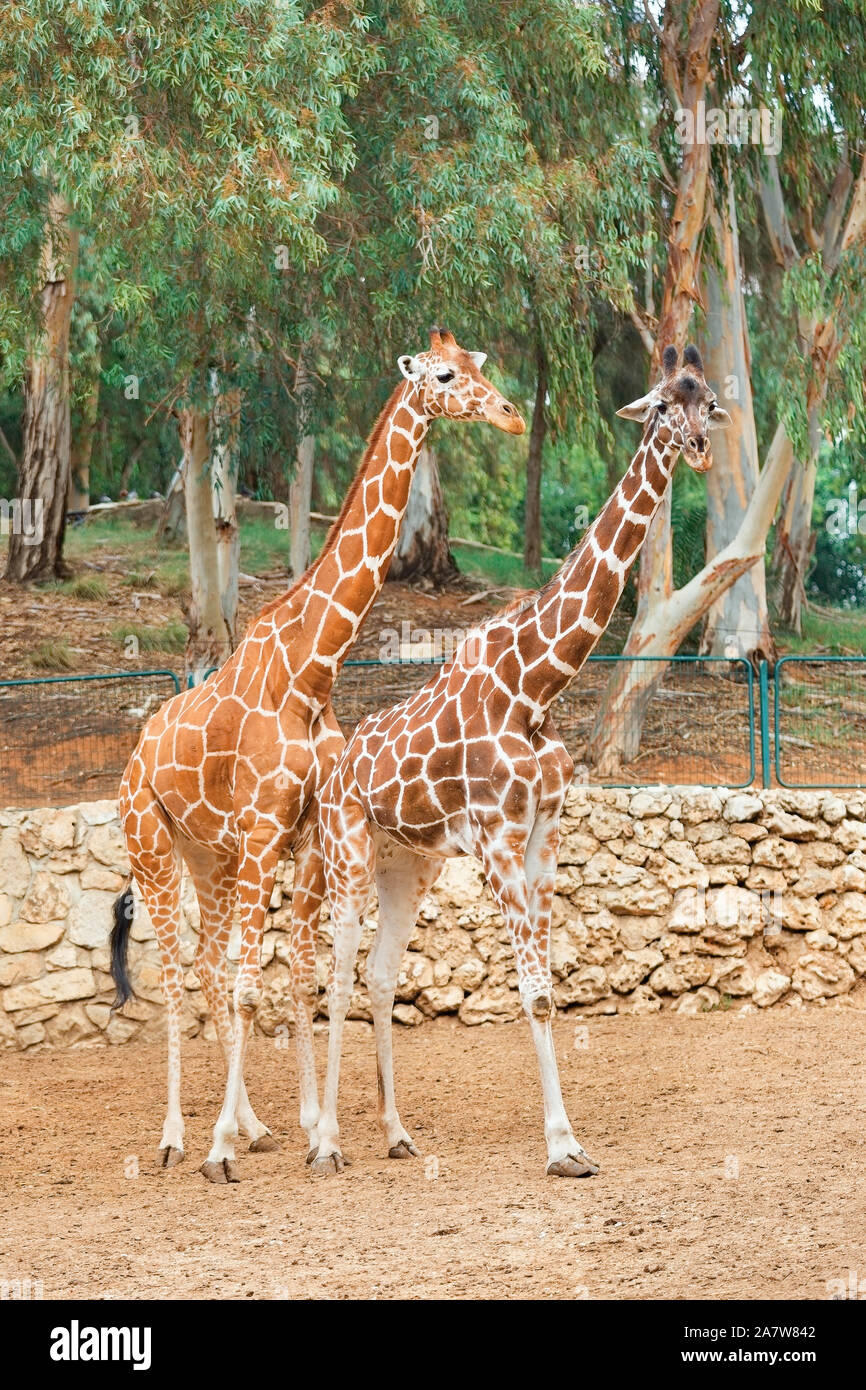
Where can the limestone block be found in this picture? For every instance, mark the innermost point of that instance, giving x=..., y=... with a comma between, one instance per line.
x=734, y=977
x=819, y=975
x=47, y=900
x=676, y=976
x=435, y=1000
x=642, y=1001
x=742, y=806
x=490, y=1004
x=91, y=918
x=774, y=853
x=17, y=970
x=106, y=844
x=57, y=987
x=585, y=986
x=14, y=866
x=850, y=835
x=846, y=919
x=770, y=985
x=408, y=1015
x=632, y=968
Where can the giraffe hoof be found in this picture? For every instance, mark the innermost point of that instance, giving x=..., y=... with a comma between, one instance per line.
x=265, y=1144
x=573, y=1166
x=405, y=1149
x=311, y=1155
x=325, y=1165
x=224, y=1171
x=170, y=1156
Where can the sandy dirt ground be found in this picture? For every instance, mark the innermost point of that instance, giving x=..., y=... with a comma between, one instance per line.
x=731, y=1151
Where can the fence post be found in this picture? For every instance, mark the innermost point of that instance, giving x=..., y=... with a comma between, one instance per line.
x=764, y=709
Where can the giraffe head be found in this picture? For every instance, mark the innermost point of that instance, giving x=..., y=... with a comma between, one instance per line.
x=448, y=382
x=681, y=408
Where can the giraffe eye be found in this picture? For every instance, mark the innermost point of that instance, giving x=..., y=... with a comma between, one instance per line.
x=444, y=377
x=712, y=406
x=662, y=407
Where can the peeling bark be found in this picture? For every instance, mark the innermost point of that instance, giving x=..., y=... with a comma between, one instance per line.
x=81, y=451
x=537, y=434
x=224, y=464
x=210, y=639
x=301, y=487
x=36, y=548
x=738, y=623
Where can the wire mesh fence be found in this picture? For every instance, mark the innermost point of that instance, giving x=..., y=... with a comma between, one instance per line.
x=67, y=738
x=681, y=721
x=819, y=715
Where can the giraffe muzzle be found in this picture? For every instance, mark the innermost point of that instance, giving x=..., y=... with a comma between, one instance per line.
x=505, y=417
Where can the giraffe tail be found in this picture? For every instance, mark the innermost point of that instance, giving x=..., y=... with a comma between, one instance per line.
x=123, y=910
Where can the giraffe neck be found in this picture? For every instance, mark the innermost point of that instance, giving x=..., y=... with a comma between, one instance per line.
x=317, y=622
x=555, y=633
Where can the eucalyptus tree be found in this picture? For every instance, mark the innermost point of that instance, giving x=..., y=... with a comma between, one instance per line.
x=685, y=56
x=198, y=145
x=813, y=195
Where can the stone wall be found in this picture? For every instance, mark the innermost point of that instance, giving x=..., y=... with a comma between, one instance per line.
x=676, y=899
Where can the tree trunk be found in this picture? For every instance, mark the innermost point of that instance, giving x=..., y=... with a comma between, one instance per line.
x=301, y=488
x=172, y=523
x=685, y=60
x=686, y=69
x=224, y=465
x=39, y=511
x=210, y=639
x=820, y=344
x=81, y=450
x=422, y=548
x=615, y=739
x=532, y=540
x=738, y=623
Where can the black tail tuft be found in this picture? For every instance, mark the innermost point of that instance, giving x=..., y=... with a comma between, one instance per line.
x=123, y=910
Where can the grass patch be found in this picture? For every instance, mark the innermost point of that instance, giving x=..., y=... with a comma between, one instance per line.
x=840, y=633
x=91, y=586
x=140, y=579
x=497, y=571
x=54, y=655
x=171, y=637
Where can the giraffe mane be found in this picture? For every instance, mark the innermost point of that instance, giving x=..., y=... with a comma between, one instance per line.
x=331, y=538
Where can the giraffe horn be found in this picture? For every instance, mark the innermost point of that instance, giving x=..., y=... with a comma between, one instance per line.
x=435, y=337
x=447, y=338
x=692, y=357
x=670, y=357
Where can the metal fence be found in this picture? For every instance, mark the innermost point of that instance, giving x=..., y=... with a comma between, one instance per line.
x=699, y=721
x=819, y=721
x=67, y=738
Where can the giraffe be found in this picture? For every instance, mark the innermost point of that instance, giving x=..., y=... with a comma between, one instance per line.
x=224, y=774
x=472, y=764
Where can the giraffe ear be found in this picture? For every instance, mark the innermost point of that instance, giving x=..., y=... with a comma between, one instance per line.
x=639, y=409
x=718, y=419
x=409, y=366
x=479, y=358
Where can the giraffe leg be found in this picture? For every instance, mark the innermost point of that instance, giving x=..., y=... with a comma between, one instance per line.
x=349, y=872
x=402, y=879
x=215, y=879
x=521, y=883
x=307, y=894
x=257, y=866
x=156, y=867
